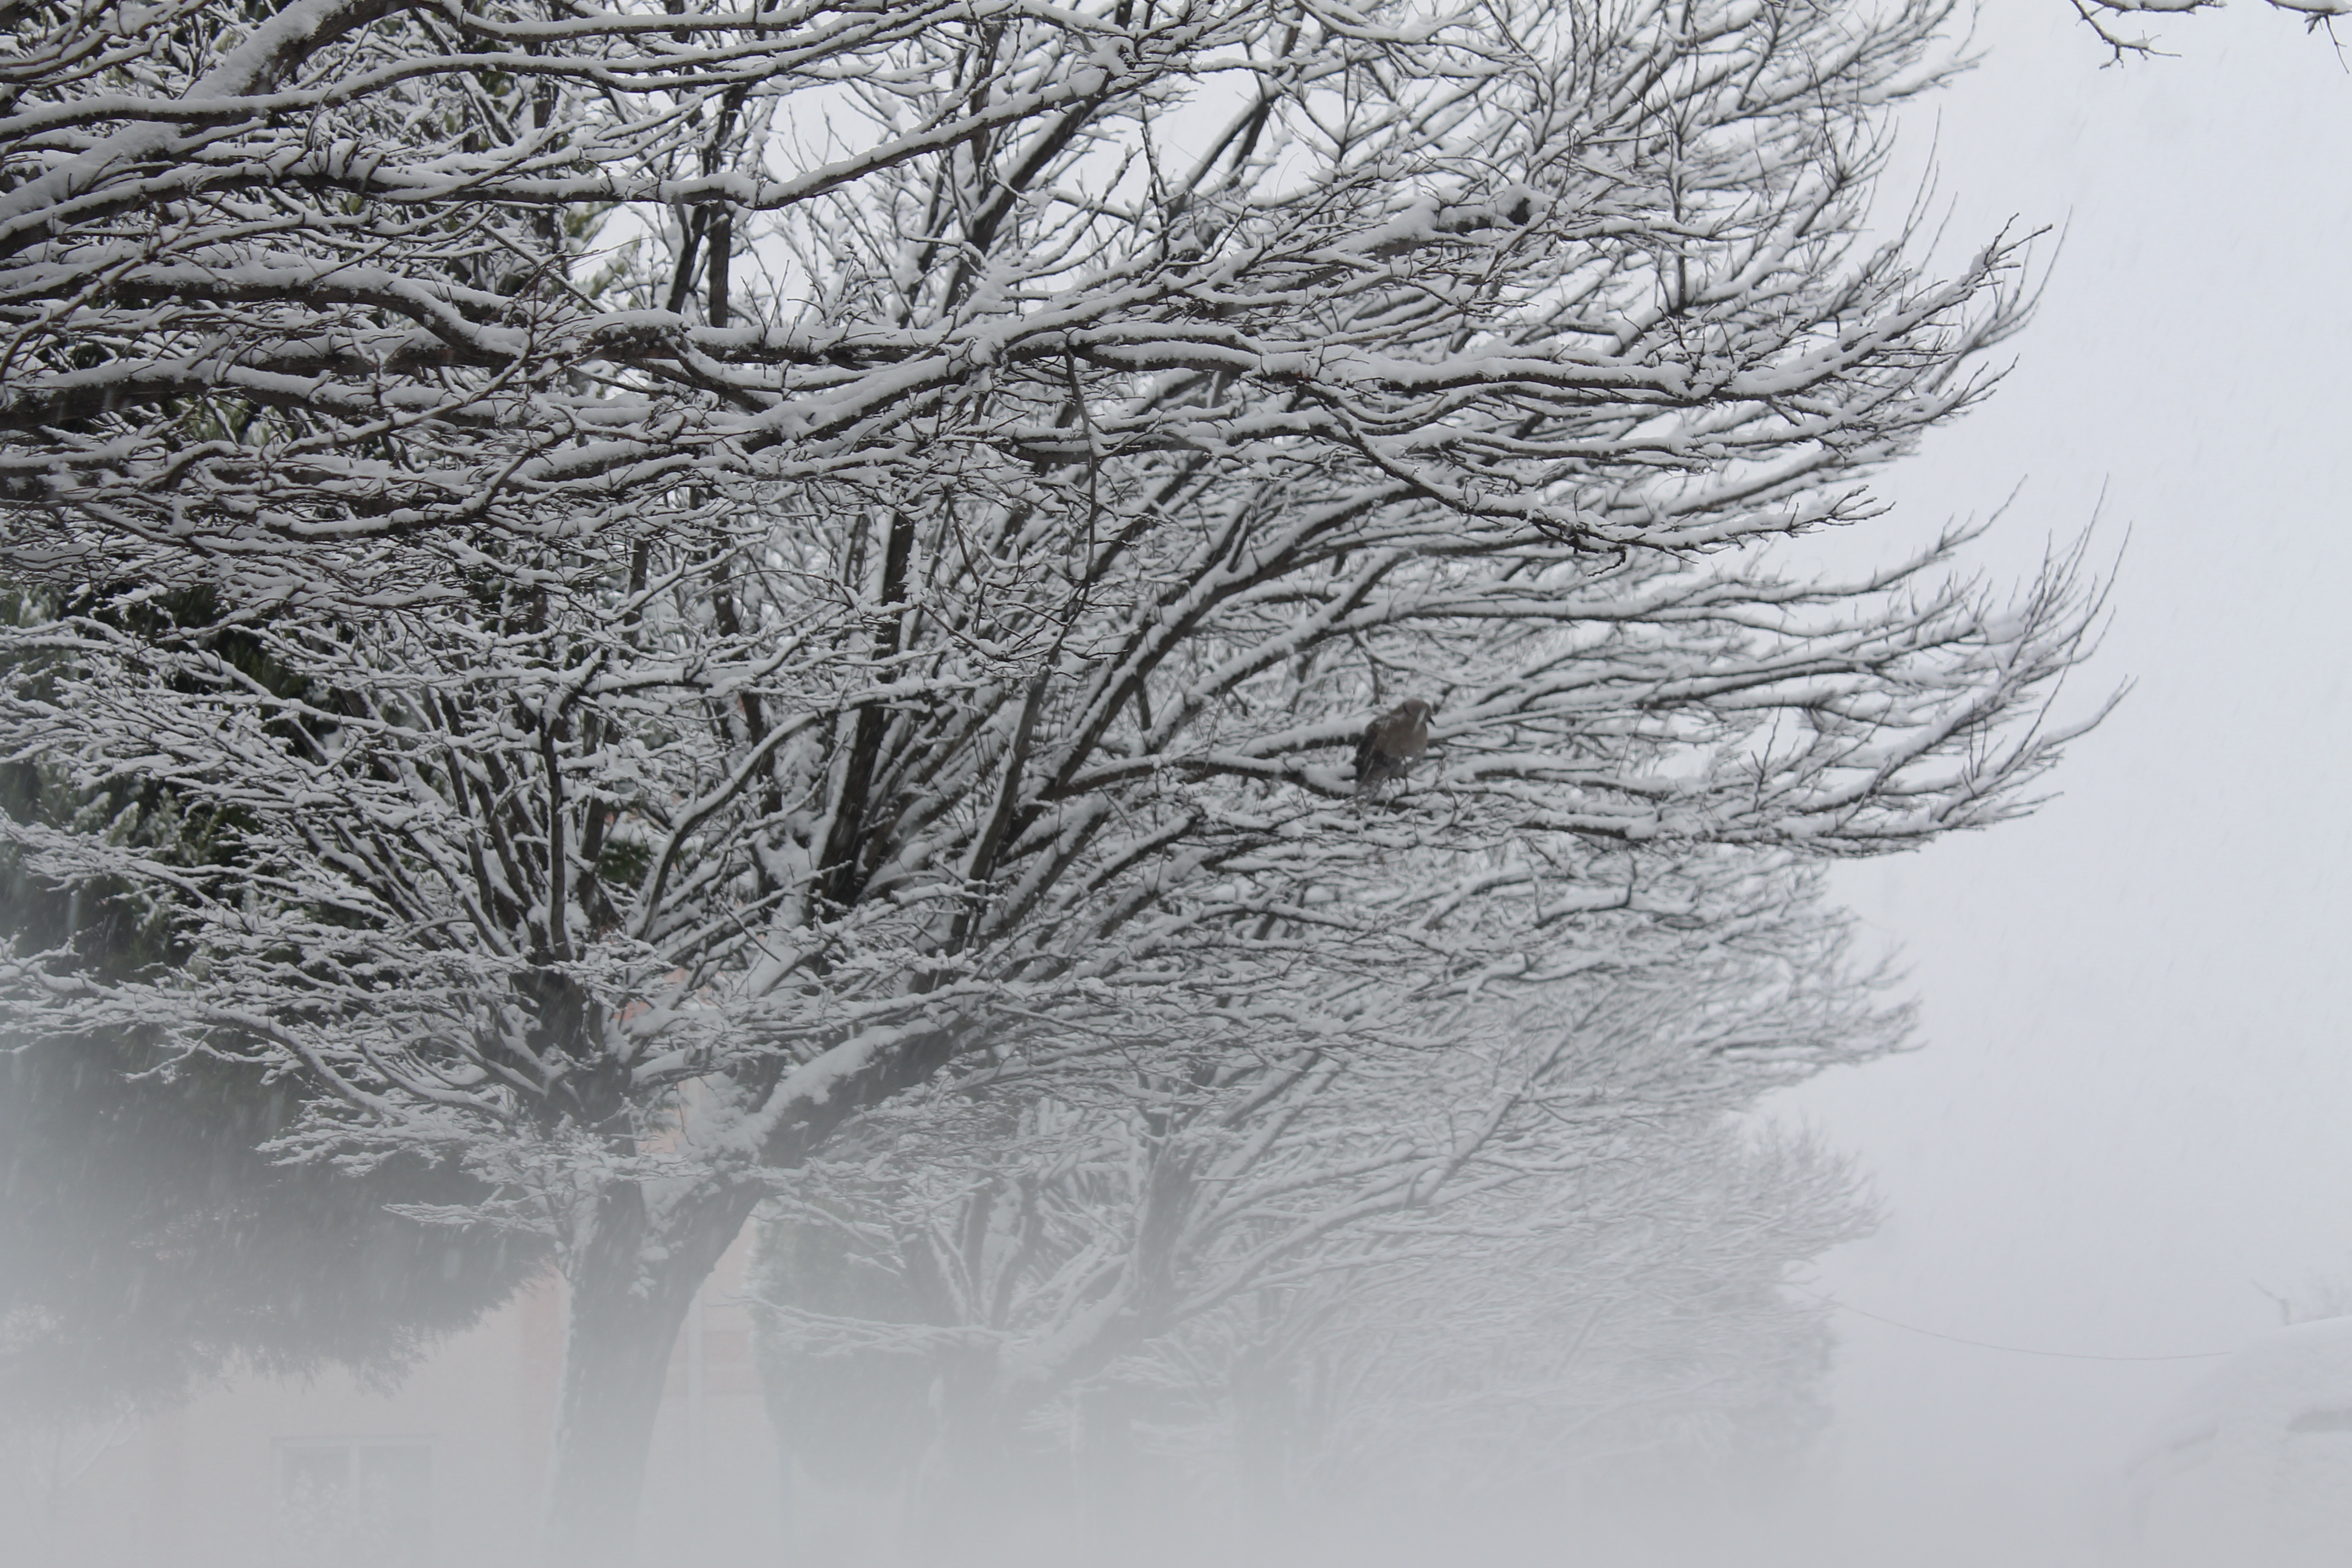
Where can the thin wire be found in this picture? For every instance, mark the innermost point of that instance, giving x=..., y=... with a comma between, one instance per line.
x=1988, y=1345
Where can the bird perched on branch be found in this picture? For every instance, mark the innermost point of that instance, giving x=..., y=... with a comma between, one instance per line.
x=1389, y=744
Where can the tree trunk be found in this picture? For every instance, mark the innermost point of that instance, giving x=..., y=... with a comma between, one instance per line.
x=1105, y=1469
x=964, y=1493
x=629, y=1299
x=1265, y=1432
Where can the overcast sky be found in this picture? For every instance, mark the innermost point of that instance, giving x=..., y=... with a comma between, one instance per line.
x=2130, y=1117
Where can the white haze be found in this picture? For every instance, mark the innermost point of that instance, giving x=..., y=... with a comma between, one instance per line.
x=2127, y=1125
x=2126, y=1133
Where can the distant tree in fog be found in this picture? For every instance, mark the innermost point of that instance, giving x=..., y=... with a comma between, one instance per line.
x=148, y=1239
x=149, y=1244
x=1644, y=1337
x=703, y=570
x=1537, y=1230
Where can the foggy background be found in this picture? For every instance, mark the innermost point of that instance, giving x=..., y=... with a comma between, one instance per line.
x=2128, y=1122
x=2126, y=1133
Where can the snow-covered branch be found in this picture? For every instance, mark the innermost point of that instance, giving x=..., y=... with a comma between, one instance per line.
x=694, y=571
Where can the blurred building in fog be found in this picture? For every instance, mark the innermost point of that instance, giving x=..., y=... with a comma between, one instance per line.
x=447, y=1471
x=2253, y=1468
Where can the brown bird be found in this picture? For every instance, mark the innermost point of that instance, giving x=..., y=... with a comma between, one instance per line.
x=1389, y=744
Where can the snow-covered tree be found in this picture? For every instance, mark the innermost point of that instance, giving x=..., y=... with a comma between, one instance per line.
x=699, y=567
x=1642, y=1337
x=149, y=1244
x=2117, y=23
x=148, y=1240
x=1532, y=1240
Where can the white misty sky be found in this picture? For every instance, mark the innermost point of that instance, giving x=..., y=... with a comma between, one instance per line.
x=2131, y=1108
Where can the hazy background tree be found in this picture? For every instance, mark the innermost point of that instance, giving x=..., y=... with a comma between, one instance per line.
x=150, y=1241
x=1517, y=1256
x=906, y=599
x=1643, y=1344
x=147, y=1238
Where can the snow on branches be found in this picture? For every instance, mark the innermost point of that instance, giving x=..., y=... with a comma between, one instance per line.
x=321, y=279
x=701, y=567
x=1194, y=1245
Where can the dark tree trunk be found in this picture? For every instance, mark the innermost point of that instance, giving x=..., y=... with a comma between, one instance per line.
x=628, y=1301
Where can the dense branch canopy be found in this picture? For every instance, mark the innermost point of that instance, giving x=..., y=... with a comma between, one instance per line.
x=972, y=1257
x=706, y=564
